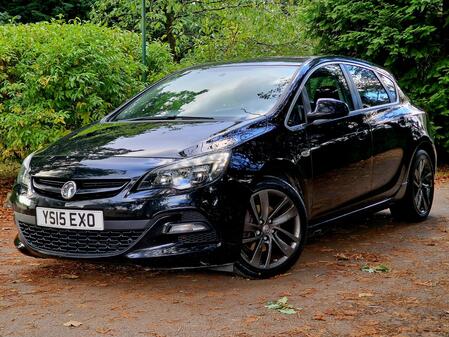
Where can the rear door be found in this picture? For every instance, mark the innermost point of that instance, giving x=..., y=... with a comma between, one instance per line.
x=378, y=99
x=340, y=148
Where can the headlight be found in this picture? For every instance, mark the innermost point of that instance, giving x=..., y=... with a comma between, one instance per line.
x=24, y=177
x=187, y=173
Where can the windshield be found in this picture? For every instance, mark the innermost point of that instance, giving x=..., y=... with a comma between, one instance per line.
x=235, y=92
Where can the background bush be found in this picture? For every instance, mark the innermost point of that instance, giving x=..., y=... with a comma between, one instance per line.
x=56, y=77
x=26, y=11
x=409, y=37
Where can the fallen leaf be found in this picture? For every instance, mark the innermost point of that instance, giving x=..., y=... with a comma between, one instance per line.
x=425, y=284
x=103, y=331
x=282, y=306
x=349, y=312
x=381, y=268
x=251, y=319
x=283, y=300
x=69, y=276
x=366, y=295
x=72, y=323
x=319, y=317
x=287, y=311
x=342, y=257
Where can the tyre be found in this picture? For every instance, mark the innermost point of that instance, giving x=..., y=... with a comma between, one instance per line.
x=274, y=230
x=417, y=202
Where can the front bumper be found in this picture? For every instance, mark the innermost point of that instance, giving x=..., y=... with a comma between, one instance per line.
x=134, y=227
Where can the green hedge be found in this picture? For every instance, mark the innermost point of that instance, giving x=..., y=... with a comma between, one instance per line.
x=56, y=77
x=409, y=37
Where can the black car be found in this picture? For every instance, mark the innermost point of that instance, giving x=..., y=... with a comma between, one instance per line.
x=231, y=163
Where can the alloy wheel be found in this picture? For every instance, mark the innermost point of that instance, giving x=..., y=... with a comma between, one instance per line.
x=272, y=229
x=423, y=186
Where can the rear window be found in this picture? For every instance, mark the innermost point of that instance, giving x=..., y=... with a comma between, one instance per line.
x=371, y=91
x=389, y=84
x=235, y=92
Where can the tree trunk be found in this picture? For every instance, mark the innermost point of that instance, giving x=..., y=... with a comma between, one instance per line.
x=171, y=40
x=445, y=27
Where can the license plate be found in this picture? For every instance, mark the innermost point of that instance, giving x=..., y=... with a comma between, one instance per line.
x=69, y=219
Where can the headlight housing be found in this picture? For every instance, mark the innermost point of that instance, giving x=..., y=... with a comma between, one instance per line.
x=24, y=177
x=187, y=173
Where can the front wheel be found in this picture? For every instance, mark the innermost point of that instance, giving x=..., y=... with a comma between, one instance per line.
x=274, y=230
x=417, y=202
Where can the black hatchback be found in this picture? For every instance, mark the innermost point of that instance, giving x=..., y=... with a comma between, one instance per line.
x=229, y=164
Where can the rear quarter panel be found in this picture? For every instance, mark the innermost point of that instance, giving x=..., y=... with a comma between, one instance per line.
x=397, y=132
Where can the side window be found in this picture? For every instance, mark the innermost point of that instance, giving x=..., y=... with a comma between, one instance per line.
x=389, y=84
x=370, y=89
x=297, y=114
x=328, y=82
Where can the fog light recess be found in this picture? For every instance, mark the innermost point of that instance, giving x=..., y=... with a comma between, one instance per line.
x=184, y=227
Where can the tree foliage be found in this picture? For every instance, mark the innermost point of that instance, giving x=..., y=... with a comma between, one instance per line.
x=27, y=11
x=172, y=21
x=55, y=77
x=262, y=28
x=410, y=37
x=212, y=29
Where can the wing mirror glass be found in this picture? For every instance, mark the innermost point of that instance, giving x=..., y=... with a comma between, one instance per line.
x=328, y=108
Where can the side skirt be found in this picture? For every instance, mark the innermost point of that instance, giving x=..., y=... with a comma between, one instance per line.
x=316, y=226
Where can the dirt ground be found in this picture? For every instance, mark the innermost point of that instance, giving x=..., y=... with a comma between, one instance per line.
x=333, y=295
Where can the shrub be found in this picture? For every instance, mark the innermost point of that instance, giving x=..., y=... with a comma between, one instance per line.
x=26, y=11
x=56, y=77
x=408, y=37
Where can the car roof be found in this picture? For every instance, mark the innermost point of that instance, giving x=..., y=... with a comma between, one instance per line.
x=306, y=61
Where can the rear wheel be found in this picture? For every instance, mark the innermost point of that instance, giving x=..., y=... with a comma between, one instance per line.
x=417, y=202
x=274, y=230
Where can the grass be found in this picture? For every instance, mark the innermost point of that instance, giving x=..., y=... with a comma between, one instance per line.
x=9, y=169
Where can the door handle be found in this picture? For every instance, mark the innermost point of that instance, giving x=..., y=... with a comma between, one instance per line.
x=362, y=134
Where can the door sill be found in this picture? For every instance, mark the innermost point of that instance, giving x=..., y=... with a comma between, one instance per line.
x=378, y=206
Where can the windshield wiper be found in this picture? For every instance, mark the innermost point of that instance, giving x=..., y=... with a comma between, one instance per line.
x=155, y=118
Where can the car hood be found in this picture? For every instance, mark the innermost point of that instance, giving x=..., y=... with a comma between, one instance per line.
x=115, y=149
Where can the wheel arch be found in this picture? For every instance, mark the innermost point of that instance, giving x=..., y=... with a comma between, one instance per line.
x=286, y=169
x=423, y=143
x=426, y=144
x=404, y=207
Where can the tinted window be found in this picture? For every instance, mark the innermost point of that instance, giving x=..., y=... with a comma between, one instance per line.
x=223, y=91
x=370, y=89
x=328, y=82
x=389, y=84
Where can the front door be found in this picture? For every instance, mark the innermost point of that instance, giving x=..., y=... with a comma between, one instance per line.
x=340, y=148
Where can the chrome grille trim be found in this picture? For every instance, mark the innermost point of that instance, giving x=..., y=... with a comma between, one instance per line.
x=87, y=188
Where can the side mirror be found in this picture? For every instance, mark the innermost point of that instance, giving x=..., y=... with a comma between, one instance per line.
x=328, y=108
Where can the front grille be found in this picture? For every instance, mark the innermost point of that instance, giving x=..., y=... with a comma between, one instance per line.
x=77, y=242
x=86, y=188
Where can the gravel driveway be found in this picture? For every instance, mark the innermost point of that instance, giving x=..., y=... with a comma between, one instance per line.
x=331, y=294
